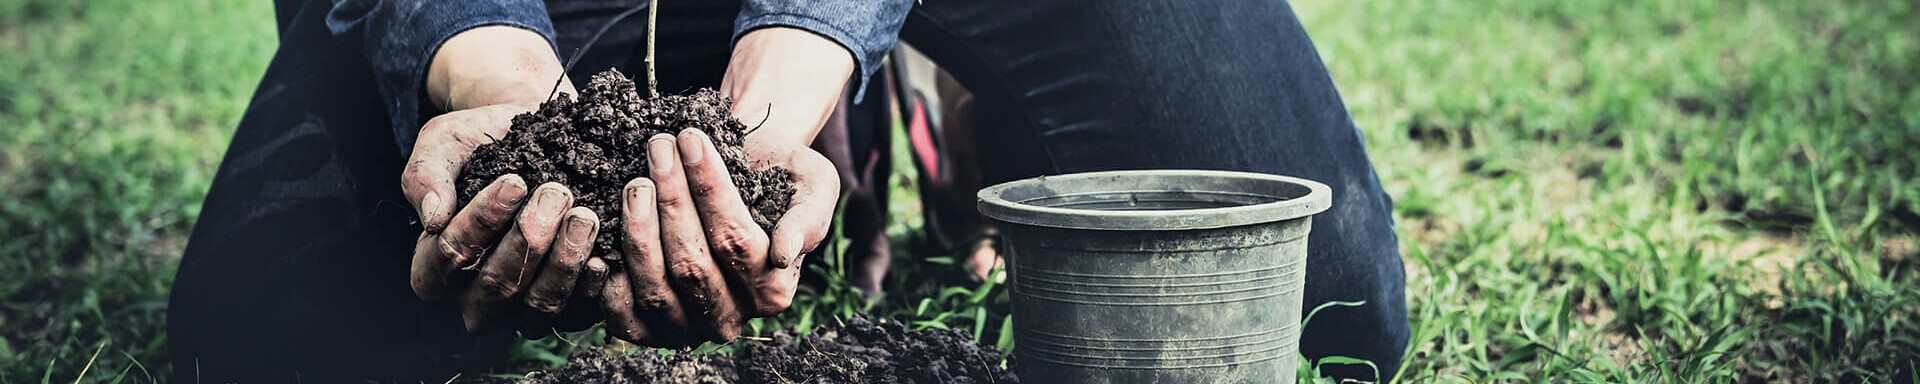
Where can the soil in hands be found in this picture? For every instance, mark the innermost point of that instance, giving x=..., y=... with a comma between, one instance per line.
x=596, y=144
x=858, y=352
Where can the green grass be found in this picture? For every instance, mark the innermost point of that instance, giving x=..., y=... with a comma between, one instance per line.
x=1630, y=191
x=1622, y=191
x=115, y=113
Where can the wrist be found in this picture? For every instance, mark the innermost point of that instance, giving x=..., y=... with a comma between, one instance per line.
x=788, y=77
x=493, y=65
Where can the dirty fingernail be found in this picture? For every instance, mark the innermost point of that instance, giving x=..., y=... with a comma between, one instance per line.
x=596, y=277
x=513, y=189
x=637, y=187
x=690, y=150
x=660, y=152
x=551, y=202
x=579, y=230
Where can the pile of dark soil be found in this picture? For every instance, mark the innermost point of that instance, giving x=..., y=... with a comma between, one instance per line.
x=597, y=144
x=857, y=352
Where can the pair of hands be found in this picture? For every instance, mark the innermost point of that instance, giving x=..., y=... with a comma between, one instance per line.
x=696, y=264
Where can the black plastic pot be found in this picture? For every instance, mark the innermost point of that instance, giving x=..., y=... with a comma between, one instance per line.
x=1156, y=276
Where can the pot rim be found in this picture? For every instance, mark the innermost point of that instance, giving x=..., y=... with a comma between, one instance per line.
x=994, y=202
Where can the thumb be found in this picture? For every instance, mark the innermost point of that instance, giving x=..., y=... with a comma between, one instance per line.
x=806, y=224
x=441, y=149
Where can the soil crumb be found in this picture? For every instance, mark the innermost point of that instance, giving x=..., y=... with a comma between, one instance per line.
x=858, y=352
x=596, y=144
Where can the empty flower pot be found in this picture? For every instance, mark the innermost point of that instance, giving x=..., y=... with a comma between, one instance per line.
x=1163, y=276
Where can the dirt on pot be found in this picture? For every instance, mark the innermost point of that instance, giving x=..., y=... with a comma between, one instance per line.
x=859, y=351
x=596, y=144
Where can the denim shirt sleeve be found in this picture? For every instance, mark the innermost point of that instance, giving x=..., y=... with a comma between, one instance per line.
x=400, y=37
x=867, y=28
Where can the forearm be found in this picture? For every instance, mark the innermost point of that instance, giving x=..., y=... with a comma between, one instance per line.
x=866, y=29
x=798, y=56
x=790, y=78
x=494, y=65
x=401, y=38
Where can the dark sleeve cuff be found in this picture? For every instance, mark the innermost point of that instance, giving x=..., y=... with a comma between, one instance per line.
x=400, y=37
x=866, y=28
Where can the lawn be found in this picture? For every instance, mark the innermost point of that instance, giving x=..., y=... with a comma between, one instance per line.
x=1586, y=191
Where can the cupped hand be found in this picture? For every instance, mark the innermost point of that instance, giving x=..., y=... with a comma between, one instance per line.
x=509, y=244
x=511, y=247
x=697, y=264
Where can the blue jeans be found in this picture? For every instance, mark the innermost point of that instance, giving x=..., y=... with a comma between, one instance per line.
x=298, y=262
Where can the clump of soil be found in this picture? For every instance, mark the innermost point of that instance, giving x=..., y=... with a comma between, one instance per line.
x=858, y=352
x=595, y=145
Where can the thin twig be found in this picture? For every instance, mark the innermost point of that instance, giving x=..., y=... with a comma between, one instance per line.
x=563, y=71
x=653, y=14
x=763, y=122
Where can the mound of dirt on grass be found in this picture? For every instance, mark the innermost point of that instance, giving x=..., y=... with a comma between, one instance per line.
x=858, y=352
x=595, y=145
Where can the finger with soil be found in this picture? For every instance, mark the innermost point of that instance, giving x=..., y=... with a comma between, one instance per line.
x=654, y=300
x=505, y=271
x=813, y=202
x=430, y=267
x=510, y=267
x=562, y=270
x=539, y=220
x=737, y=245
x=437, y=255
x=594, y=279
x=690, y=268
x=481, y=222
x=503, y=274
x=616, y=299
